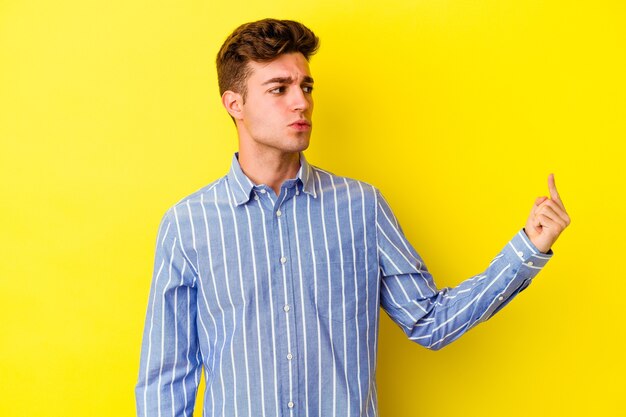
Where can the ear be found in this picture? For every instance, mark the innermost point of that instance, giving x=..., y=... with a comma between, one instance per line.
x=233, y=103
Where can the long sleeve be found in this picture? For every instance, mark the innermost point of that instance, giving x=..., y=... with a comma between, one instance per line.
x=436, y=317
x=170, y=364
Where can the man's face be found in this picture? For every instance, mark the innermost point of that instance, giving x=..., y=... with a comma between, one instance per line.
x=277, y=111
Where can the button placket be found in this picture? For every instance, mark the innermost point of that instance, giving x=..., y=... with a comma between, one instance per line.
x=285, y=244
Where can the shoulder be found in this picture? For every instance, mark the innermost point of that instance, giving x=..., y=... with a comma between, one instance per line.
x=192, y=205
x=206, y=194
x=327, y=181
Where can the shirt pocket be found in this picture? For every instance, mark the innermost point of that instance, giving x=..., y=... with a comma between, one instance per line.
x=338, y=291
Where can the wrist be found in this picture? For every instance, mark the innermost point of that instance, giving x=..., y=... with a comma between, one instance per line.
x=539, y=246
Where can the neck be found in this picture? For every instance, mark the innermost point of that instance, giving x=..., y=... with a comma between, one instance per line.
x=269, y=168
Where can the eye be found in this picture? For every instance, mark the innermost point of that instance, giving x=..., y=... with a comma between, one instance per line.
x=307, y=89
x=277, y=90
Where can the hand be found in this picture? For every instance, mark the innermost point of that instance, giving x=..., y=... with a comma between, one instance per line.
x=547, y=219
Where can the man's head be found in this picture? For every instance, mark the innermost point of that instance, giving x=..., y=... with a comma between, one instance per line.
x=266, y=85
x=261, y=41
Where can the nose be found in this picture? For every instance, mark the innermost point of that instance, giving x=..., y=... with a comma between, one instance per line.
x=300, y=100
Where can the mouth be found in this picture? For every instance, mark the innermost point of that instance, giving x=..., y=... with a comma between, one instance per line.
x=301, y=125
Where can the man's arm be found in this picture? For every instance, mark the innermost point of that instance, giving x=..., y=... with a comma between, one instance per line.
x=435, y=317
x=170, y=365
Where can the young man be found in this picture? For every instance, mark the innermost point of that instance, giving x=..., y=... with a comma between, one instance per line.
x=271, y=278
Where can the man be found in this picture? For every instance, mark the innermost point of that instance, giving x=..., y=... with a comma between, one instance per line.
x=271, y=277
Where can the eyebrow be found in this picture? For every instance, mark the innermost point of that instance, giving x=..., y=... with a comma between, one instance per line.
x=287, y=80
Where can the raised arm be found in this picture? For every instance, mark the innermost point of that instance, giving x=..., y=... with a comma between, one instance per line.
x=435, y=317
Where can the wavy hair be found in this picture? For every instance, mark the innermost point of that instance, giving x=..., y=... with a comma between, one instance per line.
x=260, y=41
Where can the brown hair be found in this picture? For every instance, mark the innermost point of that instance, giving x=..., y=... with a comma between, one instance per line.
x=260, y=41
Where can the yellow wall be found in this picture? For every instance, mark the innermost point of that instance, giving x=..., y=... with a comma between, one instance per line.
x=458, y=110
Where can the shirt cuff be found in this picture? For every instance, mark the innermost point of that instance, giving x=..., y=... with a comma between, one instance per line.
x=521, y=249
x=526, y=261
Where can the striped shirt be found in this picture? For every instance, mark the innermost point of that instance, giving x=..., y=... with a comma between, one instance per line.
x=277, y=298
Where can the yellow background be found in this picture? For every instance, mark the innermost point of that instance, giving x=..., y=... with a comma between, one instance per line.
x=457, y=110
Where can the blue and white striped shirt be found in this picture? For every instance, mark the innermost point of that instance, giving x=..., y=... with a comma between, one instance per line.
x=277, y=298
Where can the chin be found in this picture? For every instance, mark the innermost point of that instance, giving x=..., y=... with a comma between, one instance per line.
x=303, y=147
x=297, y=145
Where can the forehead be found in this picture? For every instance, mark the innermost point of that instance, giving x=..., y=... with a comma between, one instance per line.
x=292, y=65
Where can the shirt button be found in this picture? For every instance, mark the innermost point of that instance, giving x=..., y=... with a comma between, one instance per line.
x=297, y=192
x=290, y=404
x=500, y=298
x=263, y=191
x=279, y=213
x=289, y=356
x=286, y=308
x=256, y=197
x=530, y=263
x=283, y=260
x=521, y=254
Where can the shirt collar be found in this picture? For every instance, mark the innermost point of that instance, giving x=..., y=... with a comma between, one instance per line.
x=305, y=174
x=242, y=186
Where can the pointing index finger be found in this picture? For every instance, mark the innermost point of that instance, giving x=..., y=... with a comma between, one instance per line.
x=554, y=194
